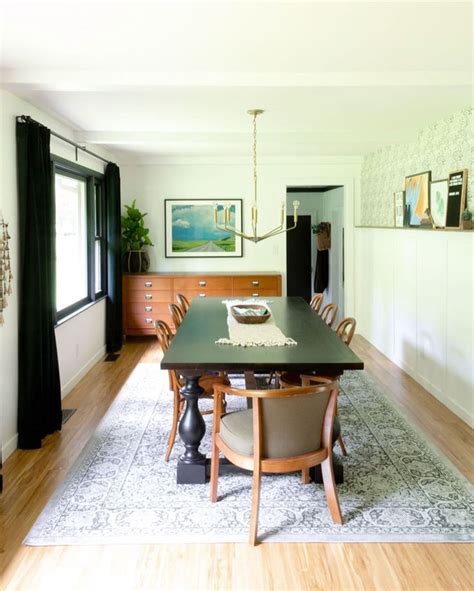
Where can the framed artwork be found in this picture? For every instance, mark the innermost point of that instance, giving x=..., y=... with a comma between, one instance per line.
x=399, y=208
x=417, y=197
x=439, y=202
x=457, y=187
x=190, y=230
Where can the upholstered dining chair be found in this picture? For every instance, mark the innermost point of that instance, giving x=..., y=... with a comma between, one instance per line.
x=207, y=382
x=183, y=302
x=329, y=314
x=316, y=302
x=286, y=430
x=176, y=315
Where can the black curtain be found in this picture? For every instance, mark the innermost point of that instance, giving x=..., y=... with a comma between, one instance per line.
x=114, y=259
x=39, y=389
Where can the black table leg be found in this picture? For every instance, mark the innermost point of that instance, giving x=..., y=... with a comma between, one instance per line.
x=192, y=463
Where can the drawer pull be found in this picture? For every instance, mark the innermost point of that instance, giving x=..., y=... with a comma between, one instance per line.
x=148, y=320
x=148, y=296
x=255, y=295
x=202, y=284
x=202, y=295
x=255, y=283
x=148, y=308
x=148, y=284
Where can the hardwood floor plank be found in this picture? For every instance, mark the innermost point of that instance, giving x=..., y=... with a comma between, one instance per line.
x=32, y=476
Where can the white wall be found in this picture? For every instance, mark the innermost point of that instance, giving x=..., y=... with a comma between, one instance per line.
x=81, y=339
x=225, y=178
x=415, y=302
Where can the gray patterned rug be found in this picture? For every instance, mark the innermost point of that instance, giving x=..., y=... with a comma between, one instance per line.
x=120, y=490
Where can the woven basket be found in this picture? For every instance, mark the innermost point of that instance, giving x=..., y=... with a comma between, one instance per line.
x=251, y=319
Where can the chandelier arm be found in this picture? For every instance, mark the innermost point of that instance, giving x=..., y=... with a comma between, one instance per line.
x=234, y=231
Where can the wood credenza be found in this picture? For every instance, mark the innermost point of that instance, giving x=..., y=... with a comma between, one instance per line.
x=146, y=295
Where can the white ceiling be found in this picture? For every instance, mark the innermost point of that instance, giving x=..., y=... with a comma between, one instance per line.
x=176, y=78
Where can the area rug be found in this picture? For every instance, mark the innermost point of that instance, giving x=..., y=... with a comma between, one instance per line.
x=120, y=490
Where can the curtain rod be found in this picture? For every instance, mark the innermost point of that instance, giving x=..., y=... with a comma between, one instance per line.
x=25, y=118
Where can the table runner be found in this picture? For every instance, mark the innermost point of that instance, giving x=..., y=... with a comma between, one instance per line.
x=253, y=335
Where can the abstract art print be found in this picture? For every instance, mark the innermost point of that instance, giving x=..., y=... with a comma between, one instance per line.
x=417, y=197
x=439, y=202
x=190, y=229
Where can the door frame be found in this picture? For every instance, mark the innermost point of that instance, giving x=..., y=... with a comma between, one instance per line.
x=349, y=184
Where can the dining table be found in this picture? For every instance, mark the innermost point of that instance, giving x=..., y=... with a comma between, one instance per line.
x=194, y=351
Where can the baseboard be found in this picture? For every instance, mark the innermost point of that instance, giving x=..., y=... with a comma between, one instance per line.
x=9, y=447
x=82, y=372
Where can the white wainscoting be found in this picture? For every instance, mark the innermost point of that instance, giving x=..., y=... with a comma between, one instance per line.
x=415, y=302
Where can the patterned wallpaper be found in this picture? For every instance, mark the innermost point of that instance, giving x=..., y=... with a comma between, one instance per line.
x=442, y=148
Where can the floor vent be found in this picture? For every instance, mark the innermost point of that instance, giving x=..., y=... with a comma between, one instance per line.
x=67, y=414
x=112, y=357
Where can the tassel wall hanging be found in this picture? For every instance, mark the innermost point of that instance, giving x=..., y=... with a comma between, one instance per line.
x=5, y=267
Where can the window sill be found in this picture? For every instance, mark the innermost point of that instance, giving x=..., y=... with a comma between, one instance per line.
x=77, y=312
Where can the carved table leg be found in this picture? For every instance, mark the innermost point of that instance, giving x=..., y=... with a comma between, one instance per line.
x=192, y=463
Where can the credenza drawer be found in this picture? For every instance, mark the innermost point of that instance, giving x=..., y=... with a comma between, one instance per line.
x=256, y=282
x=205, y=293
x=136, y=282
x=147, y=295
x=147, y=321
x=152, y=307
x=201, y=282
x=256, y=293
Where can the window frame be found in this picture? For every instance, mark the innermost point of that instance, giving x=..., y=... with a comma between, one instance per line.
x=94, y=232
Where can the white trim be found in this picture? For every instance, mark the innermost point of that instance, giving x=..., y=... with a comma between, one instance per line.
x=82, y=372
x=9, y=447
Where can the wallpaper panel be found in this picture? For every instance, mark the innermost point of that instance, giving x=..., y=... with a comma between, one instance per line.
x=442, y=148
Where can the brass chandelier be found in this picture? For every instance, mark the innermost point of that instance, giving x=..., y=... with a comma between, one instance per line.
x=254, y=237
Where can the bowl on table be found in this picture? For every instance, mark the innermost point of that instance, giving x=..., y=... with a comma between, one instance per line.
x=250, y=313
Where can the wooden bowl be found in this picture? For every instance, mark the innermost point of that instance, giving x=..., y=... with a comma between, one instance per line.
x=251, y=319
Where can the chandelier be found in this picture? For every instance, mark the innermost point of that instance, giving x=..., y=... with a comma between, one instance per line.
x=254, y=237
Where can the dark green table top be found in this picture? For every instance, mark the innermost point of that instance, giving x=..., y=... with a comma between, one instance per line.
x=319, y=348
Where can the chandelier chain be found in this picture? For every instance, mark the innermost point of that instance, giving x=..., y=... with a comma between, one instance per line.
x=255, y=157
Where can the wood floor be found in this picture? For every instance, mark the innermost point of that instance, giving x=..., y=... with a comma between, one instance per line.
x=32, y=476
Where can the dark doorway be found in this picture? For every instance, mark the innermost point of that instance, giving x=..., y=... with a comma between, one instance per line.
x=298, y=257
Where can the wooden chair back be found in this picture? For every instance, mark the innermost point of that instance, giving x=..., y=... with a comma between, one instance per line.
x=316, y=302
x=329, y=314
x=346, y=329
x=165, y=336
x=183, y=302
x=176, y=314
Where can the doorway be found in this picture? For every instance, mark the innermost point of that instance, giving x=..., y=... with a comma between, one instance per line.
x=317, y=204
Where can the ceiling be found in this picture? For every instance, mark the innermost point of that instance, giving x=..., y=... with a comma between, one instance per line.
x=152, y=79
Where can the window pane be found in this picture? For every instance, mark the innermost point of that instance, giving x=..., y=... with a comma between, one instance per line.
x=71, y=241
x=98, y=270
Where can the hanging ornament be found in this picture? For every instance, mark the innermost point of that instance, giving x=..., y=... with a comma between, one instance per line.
x=5, y=268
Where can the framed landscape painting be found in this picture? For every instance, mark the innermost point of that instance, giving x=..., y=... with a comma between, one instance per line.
x=190, y=229
x=417, y=197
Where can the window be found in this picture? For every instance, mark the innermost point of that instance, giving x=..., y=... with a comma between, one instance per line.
x=80, y=237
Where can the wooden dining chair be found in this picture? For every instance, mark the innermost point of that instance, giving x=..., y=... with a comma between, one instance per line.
x=345, y=330
x=285, y=431
x=176, y=315
x=183, y=302
x=329, y=314
x=316, y=302
x=207, y=382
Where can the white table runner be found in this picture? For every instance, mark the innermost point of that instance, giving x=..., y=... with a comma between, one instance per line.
x=253, y=335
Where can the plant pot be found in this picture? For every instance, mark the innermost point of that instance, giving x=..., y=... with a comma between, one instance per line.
x=136, y=261
x=467, y=224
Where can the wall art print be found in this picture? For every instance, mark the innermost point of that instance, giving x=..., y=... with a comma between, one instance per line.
x=417, y=197
x=190, y=229
x=399, y=208
x=5, y=267
x=439, y=202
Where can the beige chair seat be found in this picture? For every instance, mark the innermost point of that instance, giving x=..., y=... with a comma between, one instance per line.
x=237, y=433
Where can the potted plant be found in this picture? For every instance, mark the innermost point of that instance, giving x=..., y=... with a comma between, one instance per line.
x=134, y=240
x=466, y=219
